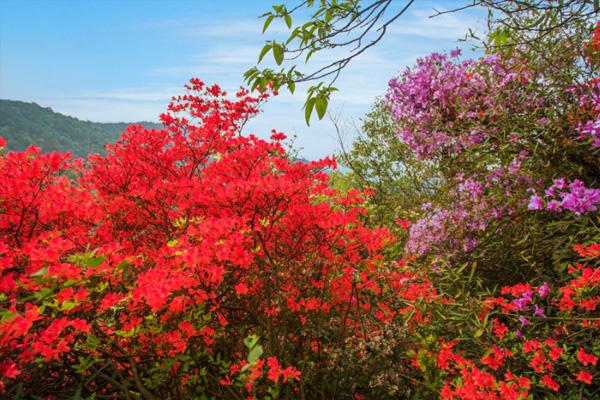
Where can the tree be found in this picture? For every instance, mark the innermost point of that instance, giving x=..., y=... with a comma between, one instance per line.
x=333, y=25
x=354, y=26
x=379, y=160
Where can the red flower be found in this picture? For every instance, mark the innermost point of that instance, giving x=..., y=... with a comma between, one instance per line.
x=277, y=136
x=531, y=345
x=290, y=373
x=500, y=329
x=585, y=358
x=584, y=376
x=592, y=250
x=550, y=383
x=403, y=223
x=241, y=289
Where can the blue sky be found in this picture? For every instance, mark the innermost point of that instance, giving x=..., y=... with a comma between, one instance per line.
x=108, y=61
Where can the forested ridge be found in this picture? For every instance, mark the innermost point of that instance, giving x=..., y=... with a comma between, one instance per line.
x=24, y=124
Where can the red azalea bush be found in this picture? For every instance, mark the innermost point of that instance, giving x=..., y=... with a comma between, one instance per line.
x=189, y=261
x=519, y=342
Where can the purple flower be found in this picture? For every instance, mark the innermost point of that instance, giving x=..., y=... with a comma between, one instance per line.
x=420, y=99
x=535, y=203
x=519, y=334
x=554, y=205
x=524, y=321
x=560, y=183
x=574, y=197
x=543, y=290
x=522, y=302
x=539, y=312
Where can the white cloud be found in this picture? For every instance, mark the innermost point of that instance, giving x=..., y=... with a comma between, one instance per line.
x=233, y=29
x=222, y=51
x=422, y=23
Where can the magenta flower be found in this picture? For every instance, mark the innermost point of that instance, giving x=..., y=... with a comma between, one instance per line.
x=519, y=334
x=543, y=290
x=539, y=312
x=535, y=203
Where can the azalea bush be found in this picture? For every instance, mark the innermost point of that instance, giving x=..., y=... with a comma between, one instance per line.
x=188, y=262
x=517, y=154
x=193, y=262
x=508, y=224
x=517, y=342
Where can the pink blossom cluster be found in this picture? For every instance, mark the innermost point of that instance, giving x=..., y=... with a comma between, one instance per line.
x=590, y=129
x=560, y=196
x=444, y=106
x=475, y=203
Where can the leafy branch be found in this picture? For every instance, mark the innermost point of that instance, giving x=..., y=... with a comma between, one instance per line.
x=350, y=25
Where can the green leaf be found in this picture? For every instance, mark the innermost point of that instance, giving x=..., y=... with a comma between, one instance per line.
x=84, y=364
x=43, y=293
x=295, y=33
x=123, y=264
x=267, y=23
x=255, y=354
x=94, y=261
x=126, y=334
x=321, y=106
x=68, y=305
x=251, y=341
x=292, y=87
x=308, y=55
x=278, y=54
x=288, y=21
x=40, y=272
x=264, y=51
x=308, y=108
x=93, y=341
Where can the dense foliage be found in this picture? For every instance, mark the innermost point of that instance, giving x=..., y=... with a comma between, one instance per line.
x=23, y=124
x=196, y=262
x=150, y=272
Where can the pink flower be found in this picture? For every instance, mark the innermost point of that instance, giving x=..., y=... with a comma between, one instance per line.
x=535, y=203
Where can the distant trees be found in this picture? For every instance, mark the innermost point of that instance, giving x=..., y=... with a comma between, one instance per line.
x=24, y=124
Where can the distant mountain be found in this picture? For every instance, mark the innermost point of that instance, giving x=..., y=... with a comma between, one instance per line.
x=23, y=124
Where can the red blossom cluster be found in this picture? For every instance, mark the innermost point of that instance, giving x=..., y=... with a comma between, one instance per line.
x=543, y=350
x=159, y=258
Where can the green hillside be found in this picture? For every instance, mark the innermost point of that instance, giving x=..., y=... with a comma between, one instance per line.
x=23, y=124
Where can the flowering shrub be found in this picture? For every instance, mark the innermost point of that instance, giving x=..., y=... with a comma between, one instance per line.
x=193, y=261
x=525, y=342
x=445, y=106
x=501, y=132
x=474, y=204
x=144, y=272
x=196, y=262
x=589, y=103
x=492, y=128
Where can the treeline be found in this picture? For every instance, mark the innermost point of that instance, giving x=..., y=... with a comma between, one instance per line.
x=23, y=124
